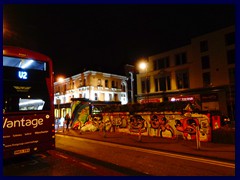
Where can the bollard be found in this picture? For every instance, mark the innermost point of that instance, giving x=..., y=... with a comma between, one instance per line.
x=198, y=137
x=148, y=129
x=104, y=130
x=63, y=126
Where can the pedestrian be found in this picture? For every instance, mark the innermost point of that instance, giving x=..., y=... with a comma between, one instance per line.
x=67, y=120
x=57, y=122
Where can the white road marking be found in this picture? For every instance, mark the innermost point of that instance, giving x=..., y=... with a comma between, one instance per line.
x=88, y=165
x=60, y=155
x=82, y=163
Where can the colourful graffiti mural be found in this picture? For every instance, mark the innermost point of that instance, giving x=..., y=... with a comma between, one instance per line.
x=187, y=126
x=159, y=126
x=137, y=124
x=165, y=124
x=80, y=113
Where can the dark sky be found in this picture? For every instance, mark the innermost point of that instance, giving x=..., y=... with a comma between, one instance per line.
x=106, y=37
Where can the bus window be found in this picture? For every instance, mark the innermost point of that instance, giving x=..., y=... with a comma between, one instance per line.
x=24, y=63
x=25, y=96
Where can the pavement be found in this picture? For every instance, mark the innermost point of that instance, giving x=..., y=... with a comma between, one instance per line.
x=217, y=151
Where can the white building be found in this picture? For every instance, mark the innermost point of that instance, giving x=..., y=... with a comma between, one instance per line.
x=92, y=85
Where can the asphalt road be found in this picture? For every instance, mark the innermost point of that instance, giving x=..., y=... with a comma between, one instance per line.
x=62, y=163
x=147, y=161
x=80, y=156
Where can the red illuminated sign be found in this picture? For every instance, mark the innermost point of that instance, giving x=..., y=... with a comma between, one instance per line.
x=185, y=98
x=152, y=100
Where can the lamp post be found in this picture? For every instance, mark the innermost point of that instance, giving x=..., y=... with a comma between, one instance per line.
x=144, y=66
x=131, y=75
x=60, y=80
x=130, y=69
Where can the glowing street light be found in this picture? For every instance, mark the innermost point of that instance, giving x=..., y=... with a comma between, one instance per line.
x=143, y=66
x=60, y=79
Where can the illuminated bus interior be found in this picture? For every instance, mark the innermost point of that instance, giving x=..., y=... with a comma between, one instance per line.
x=30, y=104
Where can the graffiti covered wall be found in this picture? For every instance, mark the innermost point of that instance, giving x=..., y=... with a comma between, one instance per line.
x=160, y=124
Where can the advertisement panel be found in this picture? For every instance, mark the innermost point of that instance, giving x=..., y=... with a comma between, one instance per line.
x=27, y=133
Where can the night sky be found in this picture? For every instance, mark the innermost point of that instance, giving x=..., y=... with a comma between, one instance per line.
x=80, y=37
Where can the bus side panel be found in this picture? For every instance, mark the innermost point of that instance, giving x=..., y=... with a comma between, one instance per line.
x=27, y=134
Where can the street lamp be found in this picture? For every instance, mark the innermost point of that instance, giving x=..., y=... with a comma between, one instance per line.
x=60, y=80
x=132, y=79
x=144, y=66
x=130, y=69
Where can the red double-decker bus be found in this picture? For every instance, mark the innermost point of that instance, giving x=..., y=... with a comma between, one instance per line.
x=28, y=110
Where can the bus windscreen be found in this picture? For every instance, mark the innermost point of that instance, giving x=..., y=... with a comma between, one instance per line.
x=24, y=85
x=24, y=63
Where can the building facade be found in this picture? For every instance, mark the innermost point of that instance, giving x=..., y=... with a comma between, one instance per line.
x=202, y=71
x=91, y=85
